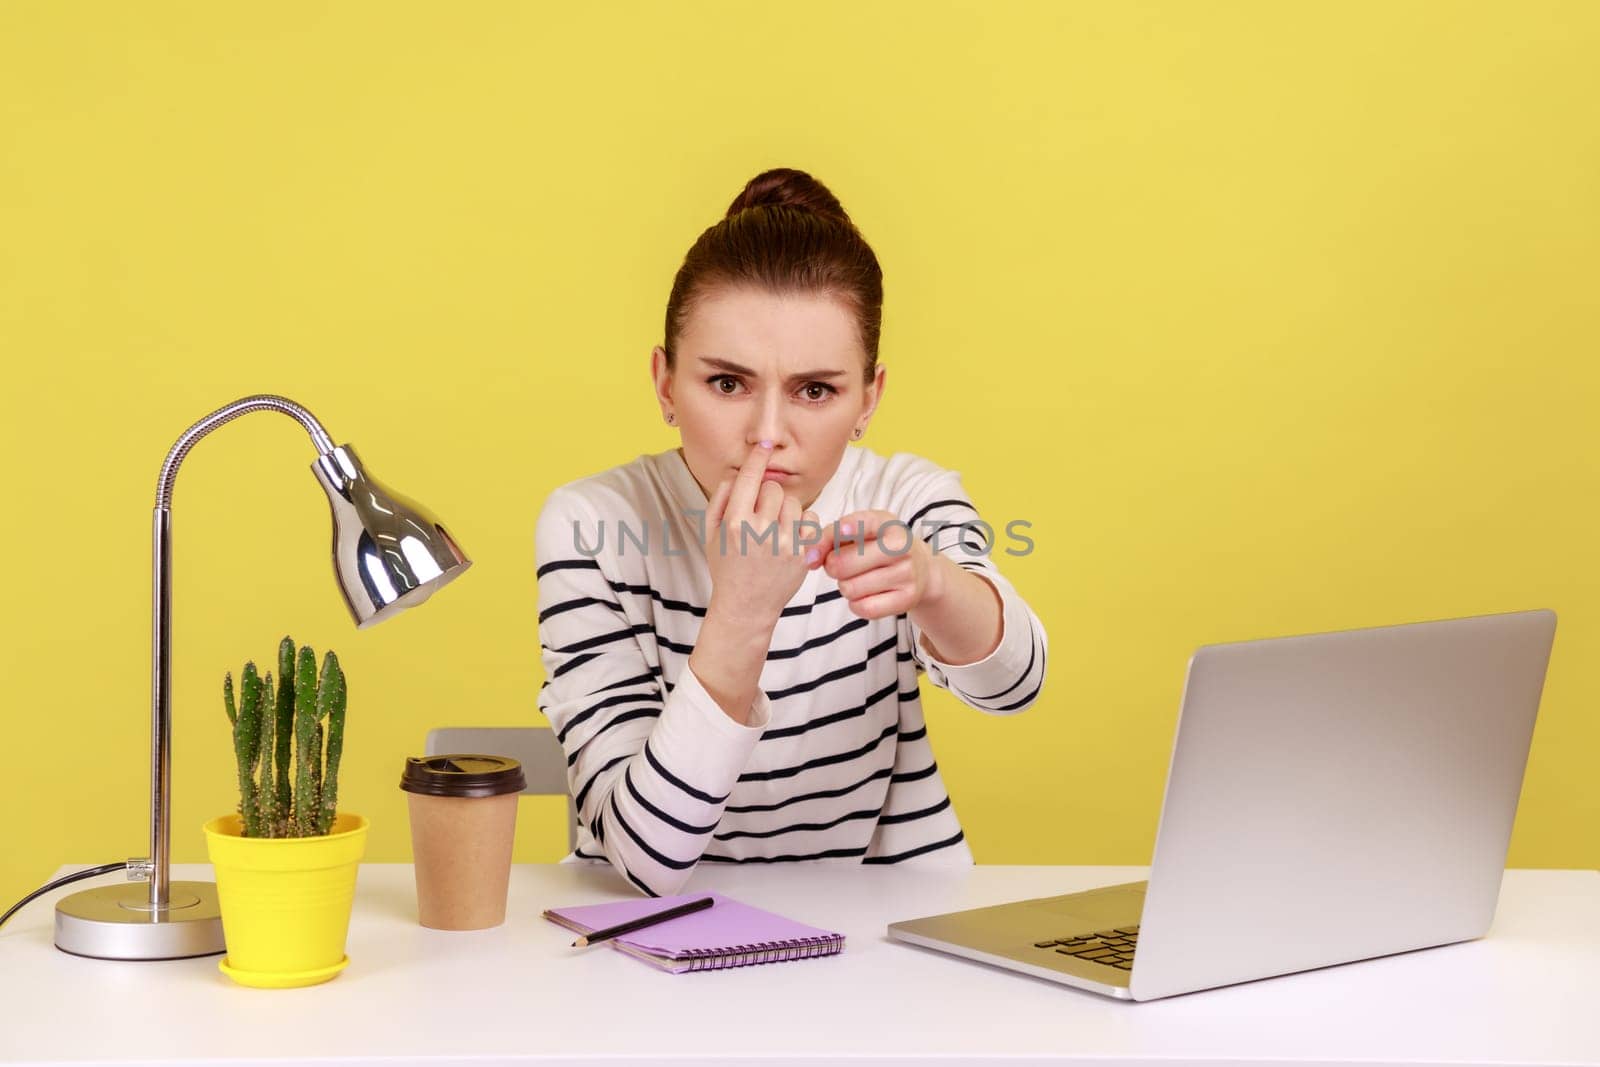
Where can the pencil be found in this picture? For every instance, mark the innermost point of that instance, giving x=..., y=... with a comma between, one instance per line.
x=643, y=921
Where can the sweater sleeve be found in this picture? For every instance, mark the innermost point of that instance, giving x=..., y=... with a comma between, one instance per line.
x=1010, y=678
x=649, y=773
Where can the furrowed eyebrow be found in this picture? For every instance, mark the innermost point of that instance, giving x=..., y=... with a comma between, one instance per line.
x=734, y=368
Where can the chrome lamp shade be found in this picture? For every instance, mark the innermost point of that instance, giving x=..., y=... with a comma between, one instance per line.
x=389, y=553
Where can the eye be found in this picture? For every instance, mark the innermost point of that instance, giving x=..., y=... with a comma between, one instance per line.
x=715, y=378
x=827, y=391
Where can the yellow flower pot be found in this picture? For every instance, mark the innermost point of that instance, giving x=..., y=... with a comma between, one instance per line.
x=285, y=901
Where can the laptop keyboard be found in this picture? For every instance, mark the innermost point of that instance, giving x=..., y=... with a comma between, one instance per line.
x=1114, y=947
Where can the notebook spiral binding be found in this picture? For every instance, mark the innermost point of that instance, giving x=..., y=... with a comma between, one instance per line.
x=763, y=952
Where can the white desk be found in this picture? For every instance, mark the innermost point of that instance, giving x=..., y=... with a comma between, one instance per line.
x=1528, y=993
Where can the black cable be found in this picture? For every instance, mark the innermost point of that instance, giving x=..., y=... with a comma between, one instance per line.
x=93, y=872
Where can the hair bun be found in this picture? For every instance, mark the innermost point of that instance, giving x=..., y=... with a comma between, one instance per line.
x=786, y=187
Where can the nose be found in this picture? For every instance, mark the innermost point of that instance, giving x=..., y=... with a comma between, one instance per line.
x=769, y=422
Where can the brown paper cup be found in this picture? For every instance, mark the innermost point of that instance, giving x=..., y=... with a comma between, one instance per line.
x=462, y=852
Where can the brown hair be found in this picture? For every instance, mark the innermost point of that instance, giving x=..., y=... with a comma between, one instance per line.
x=785, y=232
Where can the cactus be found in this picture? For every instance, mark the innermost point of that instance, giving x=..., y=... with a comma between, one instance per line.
x=307, y=756
x=284, y=732
x=330, y=705
x=314, y=812
x=247, y=746
x=280, y=726
x=266, y=794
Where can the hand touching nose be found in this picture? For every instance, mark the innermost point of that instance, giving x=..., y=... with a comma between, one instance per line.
x=752, y=532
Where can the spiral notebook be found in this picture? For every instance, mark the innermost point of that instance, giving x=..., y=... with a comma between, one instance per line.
x=730, y=933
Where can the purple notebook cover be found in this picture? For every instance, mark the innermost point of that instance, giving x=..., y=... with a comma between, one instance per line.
x=727, y=927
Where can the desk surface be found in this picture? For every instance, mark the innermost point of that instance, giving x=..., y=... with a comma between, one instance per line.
x=1527, y=993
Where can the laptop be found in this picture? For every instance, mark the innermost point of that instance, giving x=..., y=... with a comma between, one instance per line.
x=1332, y=797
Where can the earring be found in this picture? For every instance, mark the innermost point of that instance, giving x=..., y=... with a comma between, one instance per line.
x=858, y=433
x=671, y=418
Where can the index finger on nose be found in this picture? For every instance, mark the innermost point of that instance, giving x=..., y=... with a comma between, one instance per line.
x=747, y=484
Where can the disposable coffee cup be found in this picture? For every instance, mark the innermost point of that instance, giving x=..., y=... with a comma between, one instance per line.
x=463, y=821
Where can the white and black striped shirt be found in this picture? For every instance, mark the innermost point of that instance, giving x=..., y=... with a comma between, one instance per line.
x=835, y=762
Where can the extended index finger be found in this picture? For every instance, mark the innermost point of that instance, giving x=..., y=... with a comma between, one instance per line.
x=864, y=526
x=747, y=483
x=828, y=541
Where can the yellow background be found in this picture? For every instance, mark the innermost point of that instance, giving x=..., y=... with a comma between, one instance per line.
x=1270, y=318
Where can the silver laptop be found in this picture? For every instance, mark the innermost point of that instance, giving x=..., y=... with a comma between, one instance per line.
x=1331, y=797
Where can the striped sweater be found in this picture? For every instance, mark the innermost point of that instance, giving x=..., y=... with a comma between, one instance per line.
x=835, y=763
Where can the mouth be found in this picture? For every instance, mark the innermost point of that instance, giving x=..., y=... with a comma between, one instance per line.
x=775, y=473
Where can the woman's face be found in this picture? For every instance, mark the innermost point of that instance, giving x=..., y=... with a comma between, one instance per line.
x=753, y=365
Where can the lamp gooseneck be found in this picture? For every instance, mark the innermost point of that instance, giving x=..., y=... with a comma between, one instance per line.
x=226, y=414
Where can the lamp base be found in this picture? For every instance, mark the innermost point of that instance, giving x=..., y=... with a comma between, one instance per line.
x=116, y=922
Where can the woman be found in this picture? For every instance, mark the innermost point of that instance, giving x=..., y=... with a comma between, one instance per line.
x=732, y=630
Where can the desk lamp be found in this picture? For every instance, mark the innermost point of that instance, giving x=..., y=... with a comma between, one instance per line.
x=389, y=554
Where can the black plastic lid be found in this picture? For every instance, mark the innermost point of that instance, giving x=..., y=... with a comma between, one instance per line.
x=463, y=775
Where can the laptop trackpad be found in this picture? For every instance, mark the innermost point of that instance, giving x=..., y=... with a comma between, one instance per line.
x=1110, y=905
